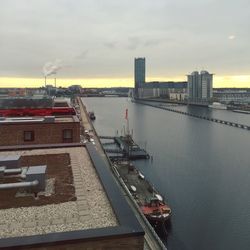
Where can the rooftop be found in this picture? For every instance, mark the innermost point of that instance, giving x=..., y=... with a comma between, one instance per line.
x=38, y=119
x=84, y=206
x=25, y=102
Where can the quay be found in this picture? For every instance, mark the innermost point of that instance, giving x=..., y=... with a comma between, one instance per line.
x=228, y=123
x=151, y=239
x=127, y=148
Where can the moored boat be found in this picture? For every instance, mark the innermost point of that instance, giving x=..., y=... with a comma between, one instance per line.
x=217, y=105
x=155, y=210
x=92, y=115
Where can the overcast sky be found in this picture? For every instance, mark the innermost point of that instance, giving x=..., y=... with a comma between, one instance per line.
x=100, y=38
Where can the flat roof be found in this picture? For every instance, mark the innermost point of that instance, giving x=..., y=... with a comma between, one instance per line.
x=91, y=210
x=25, y=102
x=38, y=119
x=72, y=118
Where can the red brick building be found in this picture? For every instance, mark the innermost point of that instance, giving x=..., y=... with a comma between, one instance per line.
x=39, y=130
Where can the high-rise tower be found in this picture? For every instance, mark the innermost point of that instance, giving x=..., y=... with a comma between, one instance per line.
x=200, y=86
x=139, y=73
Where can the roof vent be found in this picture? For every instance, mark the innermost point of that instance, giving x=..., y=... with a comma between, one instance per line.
x=37, y=173
x=12, y=161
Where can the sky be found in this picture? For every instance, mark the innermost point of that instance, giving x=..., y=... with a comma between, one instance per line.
x=94, y=42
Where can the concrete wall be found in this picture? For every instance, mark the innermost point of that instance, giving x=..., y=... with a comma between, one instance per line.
x=44, y=133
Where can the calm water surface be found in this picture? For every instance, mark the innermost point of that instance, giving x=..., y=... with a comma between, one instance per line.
x=202, y=169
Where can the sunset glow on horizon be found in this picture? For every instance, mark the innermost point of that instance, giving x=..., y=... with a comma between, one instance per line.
x=240, y=81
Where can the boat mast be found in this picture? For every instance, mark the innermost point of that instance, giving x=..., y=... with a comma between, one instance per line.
x=127, y=127
x=127, y=136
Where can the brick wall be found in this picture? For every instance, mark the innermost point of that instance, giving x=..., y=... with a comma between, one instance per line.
x=44, y=133
x=121, y=243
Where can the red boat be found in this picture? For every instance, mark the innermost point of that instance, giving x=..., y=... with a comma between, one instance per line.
x=155, y=210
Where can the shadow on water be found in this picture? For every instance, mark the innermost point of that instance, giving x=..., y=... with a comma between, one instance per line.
x=162, y=229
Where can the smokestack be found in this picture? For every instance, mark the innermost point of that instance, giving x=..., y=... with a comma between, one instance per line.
x=45, y=78
x=55, y=82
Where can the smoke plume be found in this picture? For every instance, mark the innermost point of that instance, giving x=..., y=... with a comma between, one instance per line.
x=51, y=68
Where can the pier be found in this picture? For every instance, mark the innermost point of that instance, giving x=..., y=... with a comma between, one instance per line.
x=127, y=148
x=228, y=123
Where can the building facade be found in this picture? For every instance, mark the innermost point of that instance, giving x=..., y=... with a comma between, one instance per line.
x=232, y=95
x=39, y=130
x=139, y=73
x=200, y=87
x=166, y=90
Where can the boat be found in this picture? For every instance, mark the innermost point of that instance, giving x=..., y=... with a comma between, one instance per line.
x=92, y=115
x=155, y=209
x=150, y=203
x=217, y=105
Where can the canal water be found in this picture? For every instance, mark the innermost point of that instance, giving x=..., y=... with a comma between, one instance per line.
x=201, y=168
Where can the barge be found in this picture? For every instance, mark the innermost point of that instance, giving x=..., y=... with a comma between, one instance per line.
x=151, y=203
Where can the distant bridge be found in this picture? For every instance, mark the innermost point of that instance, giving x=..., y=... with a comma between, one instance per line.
x=203, y=104
x=232, y=124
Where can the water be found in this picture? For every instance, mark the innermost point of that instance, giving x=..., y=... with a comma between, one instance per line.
x=202, y=168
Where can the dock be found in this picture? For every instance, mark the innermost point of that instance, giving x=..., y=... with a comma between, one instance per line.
x=127, y=148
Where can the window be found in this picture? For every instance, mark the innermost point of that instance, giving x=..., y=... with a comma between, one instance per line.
x=67, y=135
x=28, y=136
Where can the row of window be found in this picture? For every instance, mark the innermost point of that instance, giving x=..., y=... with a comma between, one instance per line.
x=67, y=135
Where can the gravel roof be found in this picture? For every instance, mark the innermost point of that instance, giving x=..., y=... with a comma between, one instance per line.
x=91, y=210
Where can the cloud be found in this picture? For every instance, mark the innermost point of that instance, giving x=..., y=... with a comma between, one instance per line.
x=82, y=55
x=99, y=38
x=133, y=43
x=109, y=45
x=231, y=37
x=152, y=42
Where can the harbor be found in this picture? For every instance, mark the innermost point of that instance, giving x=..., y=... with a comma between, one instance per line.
x=152, y=240
x=195, y=163
x=149, y=203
